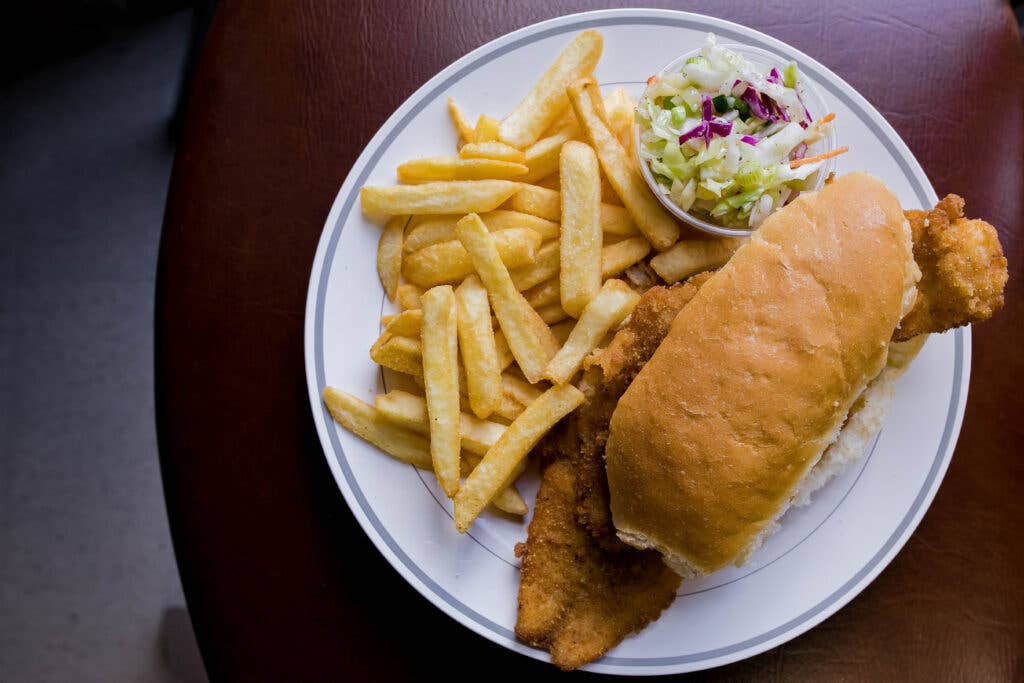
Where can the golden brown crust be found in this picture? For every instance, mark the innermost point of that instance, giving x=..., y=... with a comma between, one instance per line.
x=963, y=270
x=575, y=599
x=758, y=373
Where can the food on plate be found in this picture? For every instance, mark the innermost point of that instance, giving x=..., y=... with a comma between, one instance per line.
x=703, y=476
x=547, y=203
x=605, y=311
x=729, y=140
x=455, y=196
x=688, y=257
x=441, y=383
x=408, y=296
x=547, y=100
x=583, y=590
x=679, y=394
x=462, y=124
x=576, y=599
x=447, y=262
x=496, y=468
x=580, y=241
x=527, y=335
x=486, y=129
x=963, y=269
x=410, y=411
x=432, y=169
x=492, y=150
x=389, y=254
x=650, y=217
x=367, y=423
x=433, y=229
x=477, y=347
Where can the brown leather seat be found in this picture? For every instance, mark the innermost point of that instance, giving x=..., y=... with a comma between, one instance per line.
x=281, y=582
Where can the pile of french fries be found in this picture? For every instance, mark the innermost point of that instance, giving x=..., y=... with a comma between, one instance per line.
x=504, y=261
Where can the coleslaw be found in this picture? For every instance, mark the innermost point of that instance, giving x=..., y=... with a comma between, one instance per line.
x=727, y=141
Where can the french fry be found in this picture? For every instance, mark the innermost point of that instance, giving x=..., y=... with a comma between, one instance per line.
x=563, y=329
x=610, y=307
x=615, y=258
x=442, y=228
x=538, y=201
x=580, y=241
x=544, y=267
x=433, y=169
x=405, y=324
x=477, y=347
x=462, y=124
x=608, y=195
x=552, y=313
x=518, y=389
x=547, y=100
x=620, y=111
x=486, y=129
x=508, y=499
x=547, y=292
x=492, y=150
x=494, y=471
x=565, y=120
x=541, y=158
x=552, y=182
x=401, y=354
x=502, y=219
x=693, y=256
x=386, y=319
x=389, y=254
x=528, y=337
x=410, y=411
x=368, y=424
x=505, y=356
x=449, y=262
x=441, y=383
x=547, y=203
x=456, y=196
x=435, y=230
x=650, y=217
x=409, y=297
x=508, y=408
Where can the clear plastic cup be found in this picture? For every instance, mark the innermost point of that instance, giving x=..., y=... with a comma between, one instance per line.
x=764, y=60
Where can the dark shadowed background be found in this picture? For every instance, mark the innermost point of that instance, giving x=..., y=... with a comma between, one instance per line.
x=91, y=95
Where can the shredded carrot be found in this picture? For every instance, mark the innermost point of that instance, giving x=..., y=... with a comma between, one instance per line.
x=821, y=157
x=827, y=118
x=652, y=80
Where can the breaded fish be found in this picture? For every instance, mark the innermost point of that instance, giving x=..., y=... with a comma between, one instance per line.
x=582, y=590
x=963, y=270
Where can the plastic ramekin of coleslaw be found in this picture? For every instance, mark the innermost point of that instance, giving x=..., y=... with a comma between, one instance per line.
x=724, y=138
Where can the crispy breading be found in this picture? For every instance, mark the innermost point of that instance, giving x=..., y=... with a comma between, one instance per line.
x=963, y=270
x=582, y=590
x=575, y=599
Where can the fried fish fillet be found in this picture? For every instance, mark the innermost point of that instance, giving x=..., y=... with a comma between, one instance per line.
x=582, y=590
x=963, y=270
x=575, y=599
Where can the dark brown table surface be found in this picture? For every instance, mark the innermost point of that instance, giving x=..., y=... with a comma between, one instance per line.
x=281, y=582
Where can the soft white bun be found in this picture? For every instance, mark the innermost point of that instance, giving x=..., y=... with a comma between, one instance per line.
x=721, y=430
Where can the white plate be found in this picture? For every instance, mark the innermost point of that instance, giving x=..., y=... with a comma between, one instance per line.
x=824, y=555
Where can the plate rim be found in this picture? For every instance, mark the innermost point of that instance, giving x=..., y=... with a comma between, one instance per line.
x=313, y=338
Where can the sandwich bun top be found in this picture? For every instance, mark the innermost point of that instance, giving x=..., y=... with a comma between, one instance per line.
x=758, y=373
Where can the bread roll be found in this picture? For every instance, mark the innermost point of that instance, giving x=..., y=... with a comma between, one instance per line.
x=710, y=443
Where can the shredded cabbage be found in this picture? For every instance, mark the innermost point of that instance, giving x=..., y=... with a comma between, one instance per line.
x=719, y=135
